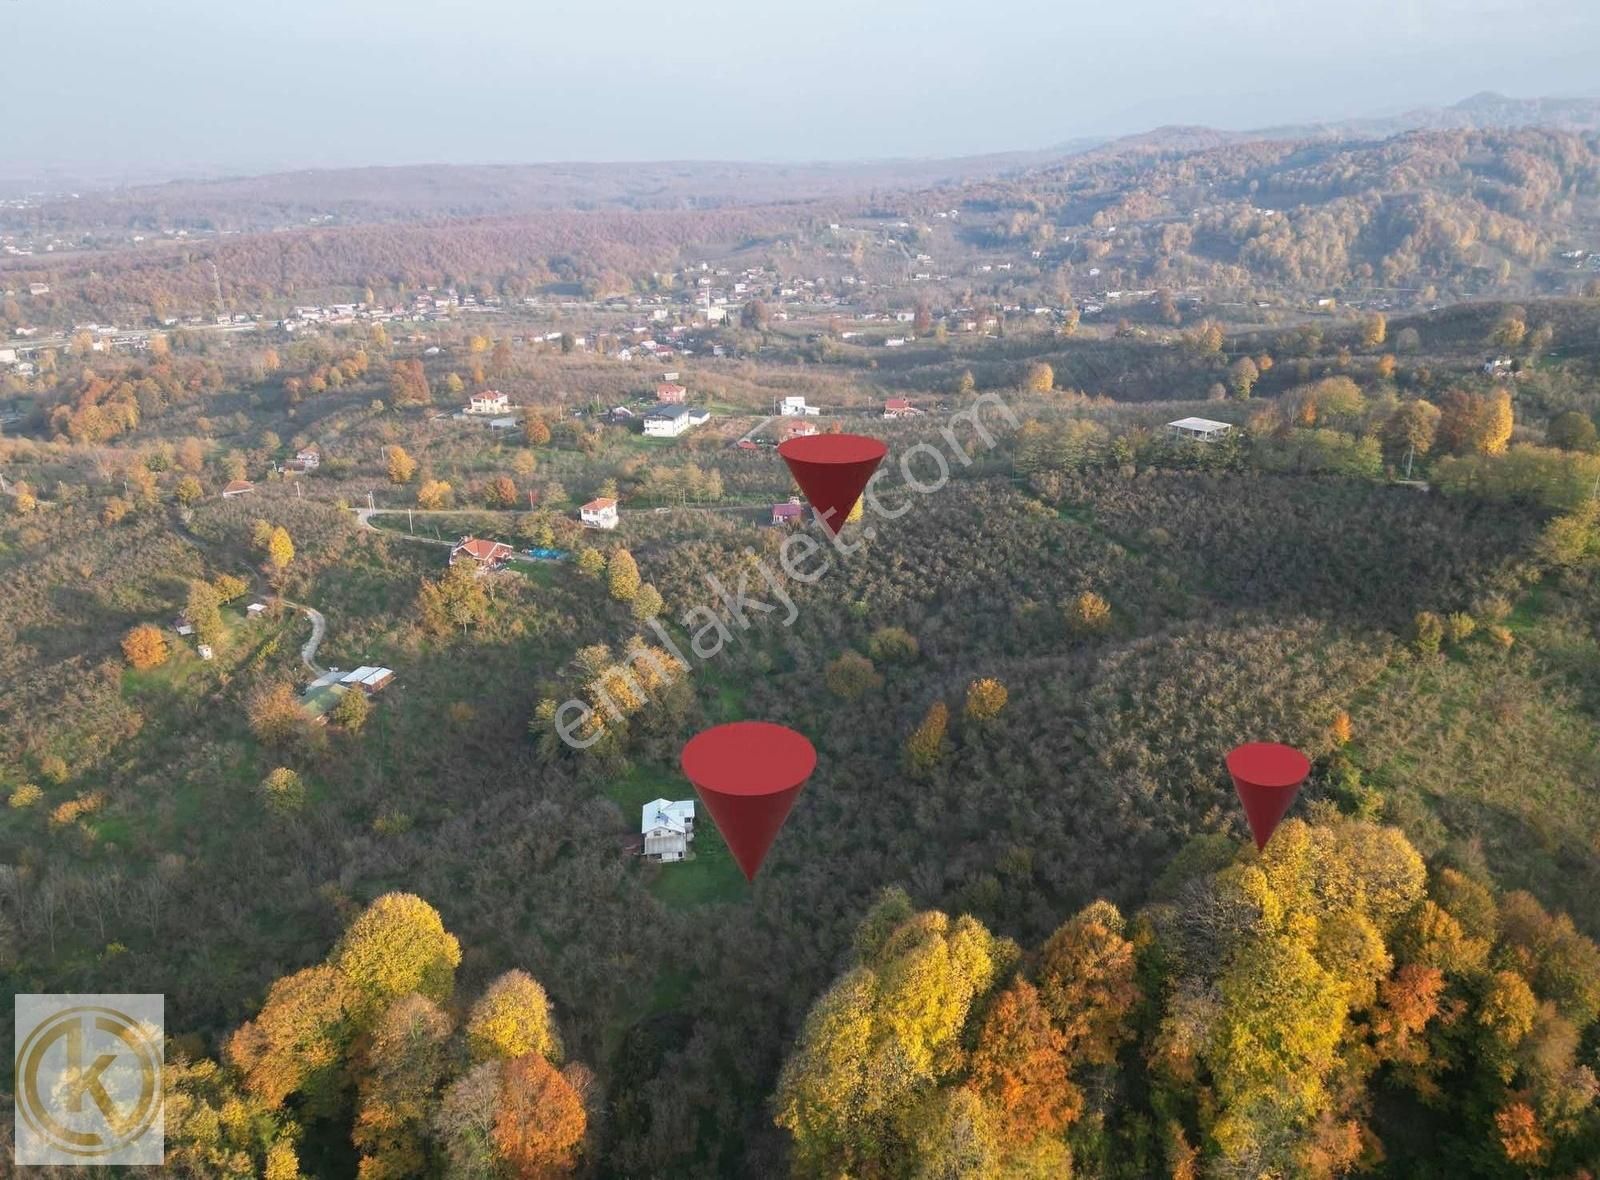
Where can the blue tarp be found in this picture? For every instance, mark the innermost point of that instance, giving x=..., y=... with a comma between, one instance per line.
x=549, y=554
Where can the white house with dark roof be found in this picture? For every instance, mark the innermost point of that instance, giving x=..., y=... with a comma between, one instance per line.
x=667, y=828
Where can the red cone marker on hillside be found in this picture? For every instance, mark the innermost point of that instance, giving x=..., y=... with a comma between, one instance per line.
x=1267, y=777
x=748, y=774
x=832, y=470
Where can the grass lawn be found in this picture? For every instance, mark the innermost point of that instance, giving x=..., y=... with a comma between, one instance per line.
x=545, y=573
x=712, y=876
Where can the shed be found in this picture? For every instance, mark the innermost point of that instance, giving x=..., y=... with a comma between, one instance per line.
x=1200, y=429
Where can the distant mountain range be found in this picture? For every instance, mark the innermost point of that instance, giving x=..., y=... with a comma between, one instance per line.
x=376, y=194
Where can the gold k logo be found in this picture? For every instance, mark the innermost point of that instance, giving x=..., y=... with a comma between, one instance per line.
x=89, y=1080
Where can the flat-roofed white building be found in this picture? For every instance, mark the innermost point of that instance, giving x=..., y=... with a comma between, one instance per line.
x=1201, y=429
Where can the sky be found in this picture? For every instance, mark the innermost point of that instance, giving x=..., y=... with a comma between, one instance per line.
x=184, y=87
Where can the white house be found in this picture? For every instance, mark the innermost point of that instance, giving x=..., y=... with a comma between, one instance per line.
x=1201, y=429
x=668, y=828
x=490, y=401
x=670, y=421
x=600, y=513
x=795, y=407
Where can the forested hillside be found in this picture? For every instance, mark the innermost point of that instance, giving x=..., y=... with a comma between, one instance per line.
x=1191, y=442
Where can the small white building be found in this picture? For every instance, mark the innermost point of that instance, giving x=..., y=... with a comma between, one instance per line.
x=795, y=407
x=1201, y=429
x=600, y=513
x=667, y=828
x=256, y=609
x=490, y=401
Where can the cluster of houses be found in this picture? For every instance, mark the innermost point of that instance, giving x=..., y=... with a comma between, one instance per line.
x=669, y=416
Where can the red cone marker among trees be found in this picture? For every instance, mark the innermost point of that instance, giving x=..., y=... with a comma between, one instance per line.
x=1267, y=777
x=748, y=774
x=832, y=470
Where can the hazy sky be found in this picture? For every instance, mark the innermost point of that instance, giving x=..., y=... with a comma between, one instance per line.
x=185, y=85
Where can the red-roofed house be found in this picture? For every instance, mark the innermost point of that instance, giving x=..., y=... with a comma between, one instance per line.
x=488, y=555
x=600, y=513
x=238, y=487
x=789, y=512
x=899, y=407
x=671, y=392
x=796, y=428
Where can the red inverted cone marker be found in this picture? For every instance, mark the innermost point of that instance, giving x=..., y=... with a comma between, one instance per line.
x=748, y=774
x=1267, y=777
x=831, y=470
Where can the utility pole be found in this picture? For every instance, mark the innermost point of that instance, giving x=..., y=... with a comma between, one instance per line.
x=372, y=505
x=1411, y=452
x=409, y=524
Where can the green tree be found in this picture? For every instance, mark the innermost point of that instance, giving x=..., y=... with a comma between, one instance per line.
x=851, y=675
x=187, y=490
x=1242, y=377
x=1572, y=431
x=352, y=710
x=203, y=609
x=283, y=792
x=647, y=603
x=1428, y=632
x=456, y=600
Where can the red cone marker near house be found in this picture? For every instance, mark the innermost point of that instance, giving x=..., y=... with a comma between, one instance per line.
x=748, y=774
x=832, y=470
x=1267, y=777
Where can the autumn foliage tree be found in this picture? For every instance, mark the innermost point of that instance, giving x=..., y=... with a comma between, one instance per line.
x=925, y=746
x=145, y=647
x=399, y=463
x=986, y=697
x=539, y=1121
x=512, y=1019
x=622, y=575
